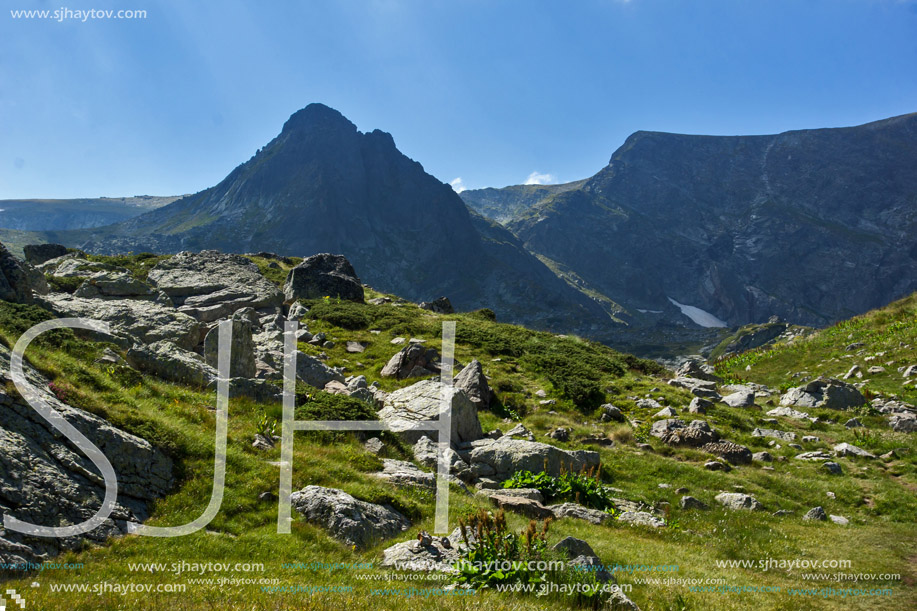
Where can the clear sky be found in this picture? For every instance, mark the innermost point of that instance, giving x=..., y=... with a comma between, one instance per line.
x=493, y=92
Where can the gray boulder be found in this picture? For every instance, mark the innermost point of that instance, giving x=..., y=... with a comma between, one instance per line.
x=429, y=555
x=845, y=449
x=729, y=451
x=500, y=458
x=242, y=361
x=473, y=383
x=610, y=412
x=210, y=285
x=36, y=254
x=742, y=398
x=440, y=306
x=46, y=480
x=355, y=522
x=313, y=372
x=689, y=502
x=737, y=500
x=674, y=432
x=824, y=393
x=414, y=360
x=816, y=513
x=697, y=368
x=422, y=401
x=903, y=422
x=323, y=275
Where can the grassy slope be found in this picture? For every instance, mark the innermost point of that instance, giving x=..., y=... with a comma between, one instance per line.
x=180, y=420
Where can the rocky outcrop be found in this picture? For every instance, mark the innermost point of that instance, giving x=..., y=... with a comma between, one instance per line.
x=242, y=355
x=824, y=393
x=440, y=306
x=170, y=362
x=413, y=361
x=324, y=275
x=350, y=520
x=210, y=285
x=46, y=480
x=472, y=381
x=36, y=254
x=145, y=320
x=422, y=401
x=15, y=284
x=313, y=372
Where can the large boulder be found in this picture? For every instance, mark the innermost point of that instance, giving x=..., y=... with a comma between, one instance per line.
x=824, y=393
x=422, y=401
x=147, y=321
x=355, y=522
x=323, y=275
x=737, y=500
x=696, y=367
x=500, y=458
x=242, y=361
x=36, y=254
x=440, y=306
x=473, y=382
x=15, y=285
x=674, y=432
x=210, y=285
x=46, y=480
x=729, y=451
x=413, y=361
x=313, y=372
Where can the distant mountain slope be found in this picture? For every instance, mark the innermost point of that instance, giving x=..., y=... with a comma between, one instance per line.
x=59, y=214
x=503, y=205
x=813, y=226
x=323, y=186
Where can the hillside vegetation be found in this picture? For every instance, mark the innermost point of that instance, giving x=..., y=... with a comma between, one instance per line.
x=577, y=377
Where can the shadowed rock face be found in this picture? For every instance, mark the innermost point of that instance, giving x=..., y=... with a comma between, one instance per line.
x=322, y=186
x=45, y=480
x=812, y=225
x=324, y=275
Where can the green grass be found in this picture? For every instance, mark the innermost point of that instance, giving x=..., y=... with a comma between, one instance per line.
x=877, y=496
x=889, y=335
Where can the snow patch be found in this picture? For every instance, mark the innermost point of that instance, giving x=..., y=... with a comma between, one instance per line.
x=700, y=317
x=649, y=311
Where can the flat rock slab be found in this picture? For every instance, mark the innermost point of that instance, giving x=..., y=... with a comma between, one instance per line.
x=406, y=407
x=783, y=435
x=579, y=512
x=641, y=518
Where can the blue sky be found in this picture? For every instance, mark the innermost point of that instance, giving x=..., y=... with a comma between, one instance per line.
x=489, y=91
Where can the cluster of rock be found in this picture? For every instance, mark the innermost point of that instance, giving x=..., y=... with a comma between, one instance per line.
x=46, y=480
x=168, y=323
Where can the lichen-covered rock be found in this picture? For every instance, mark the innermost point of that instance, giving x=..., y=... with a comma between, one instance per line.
x=502, y=457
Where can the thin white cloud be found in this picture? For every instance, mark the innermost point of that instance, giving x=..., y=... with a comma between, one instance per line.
x=540, y=179
x=457, y=185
